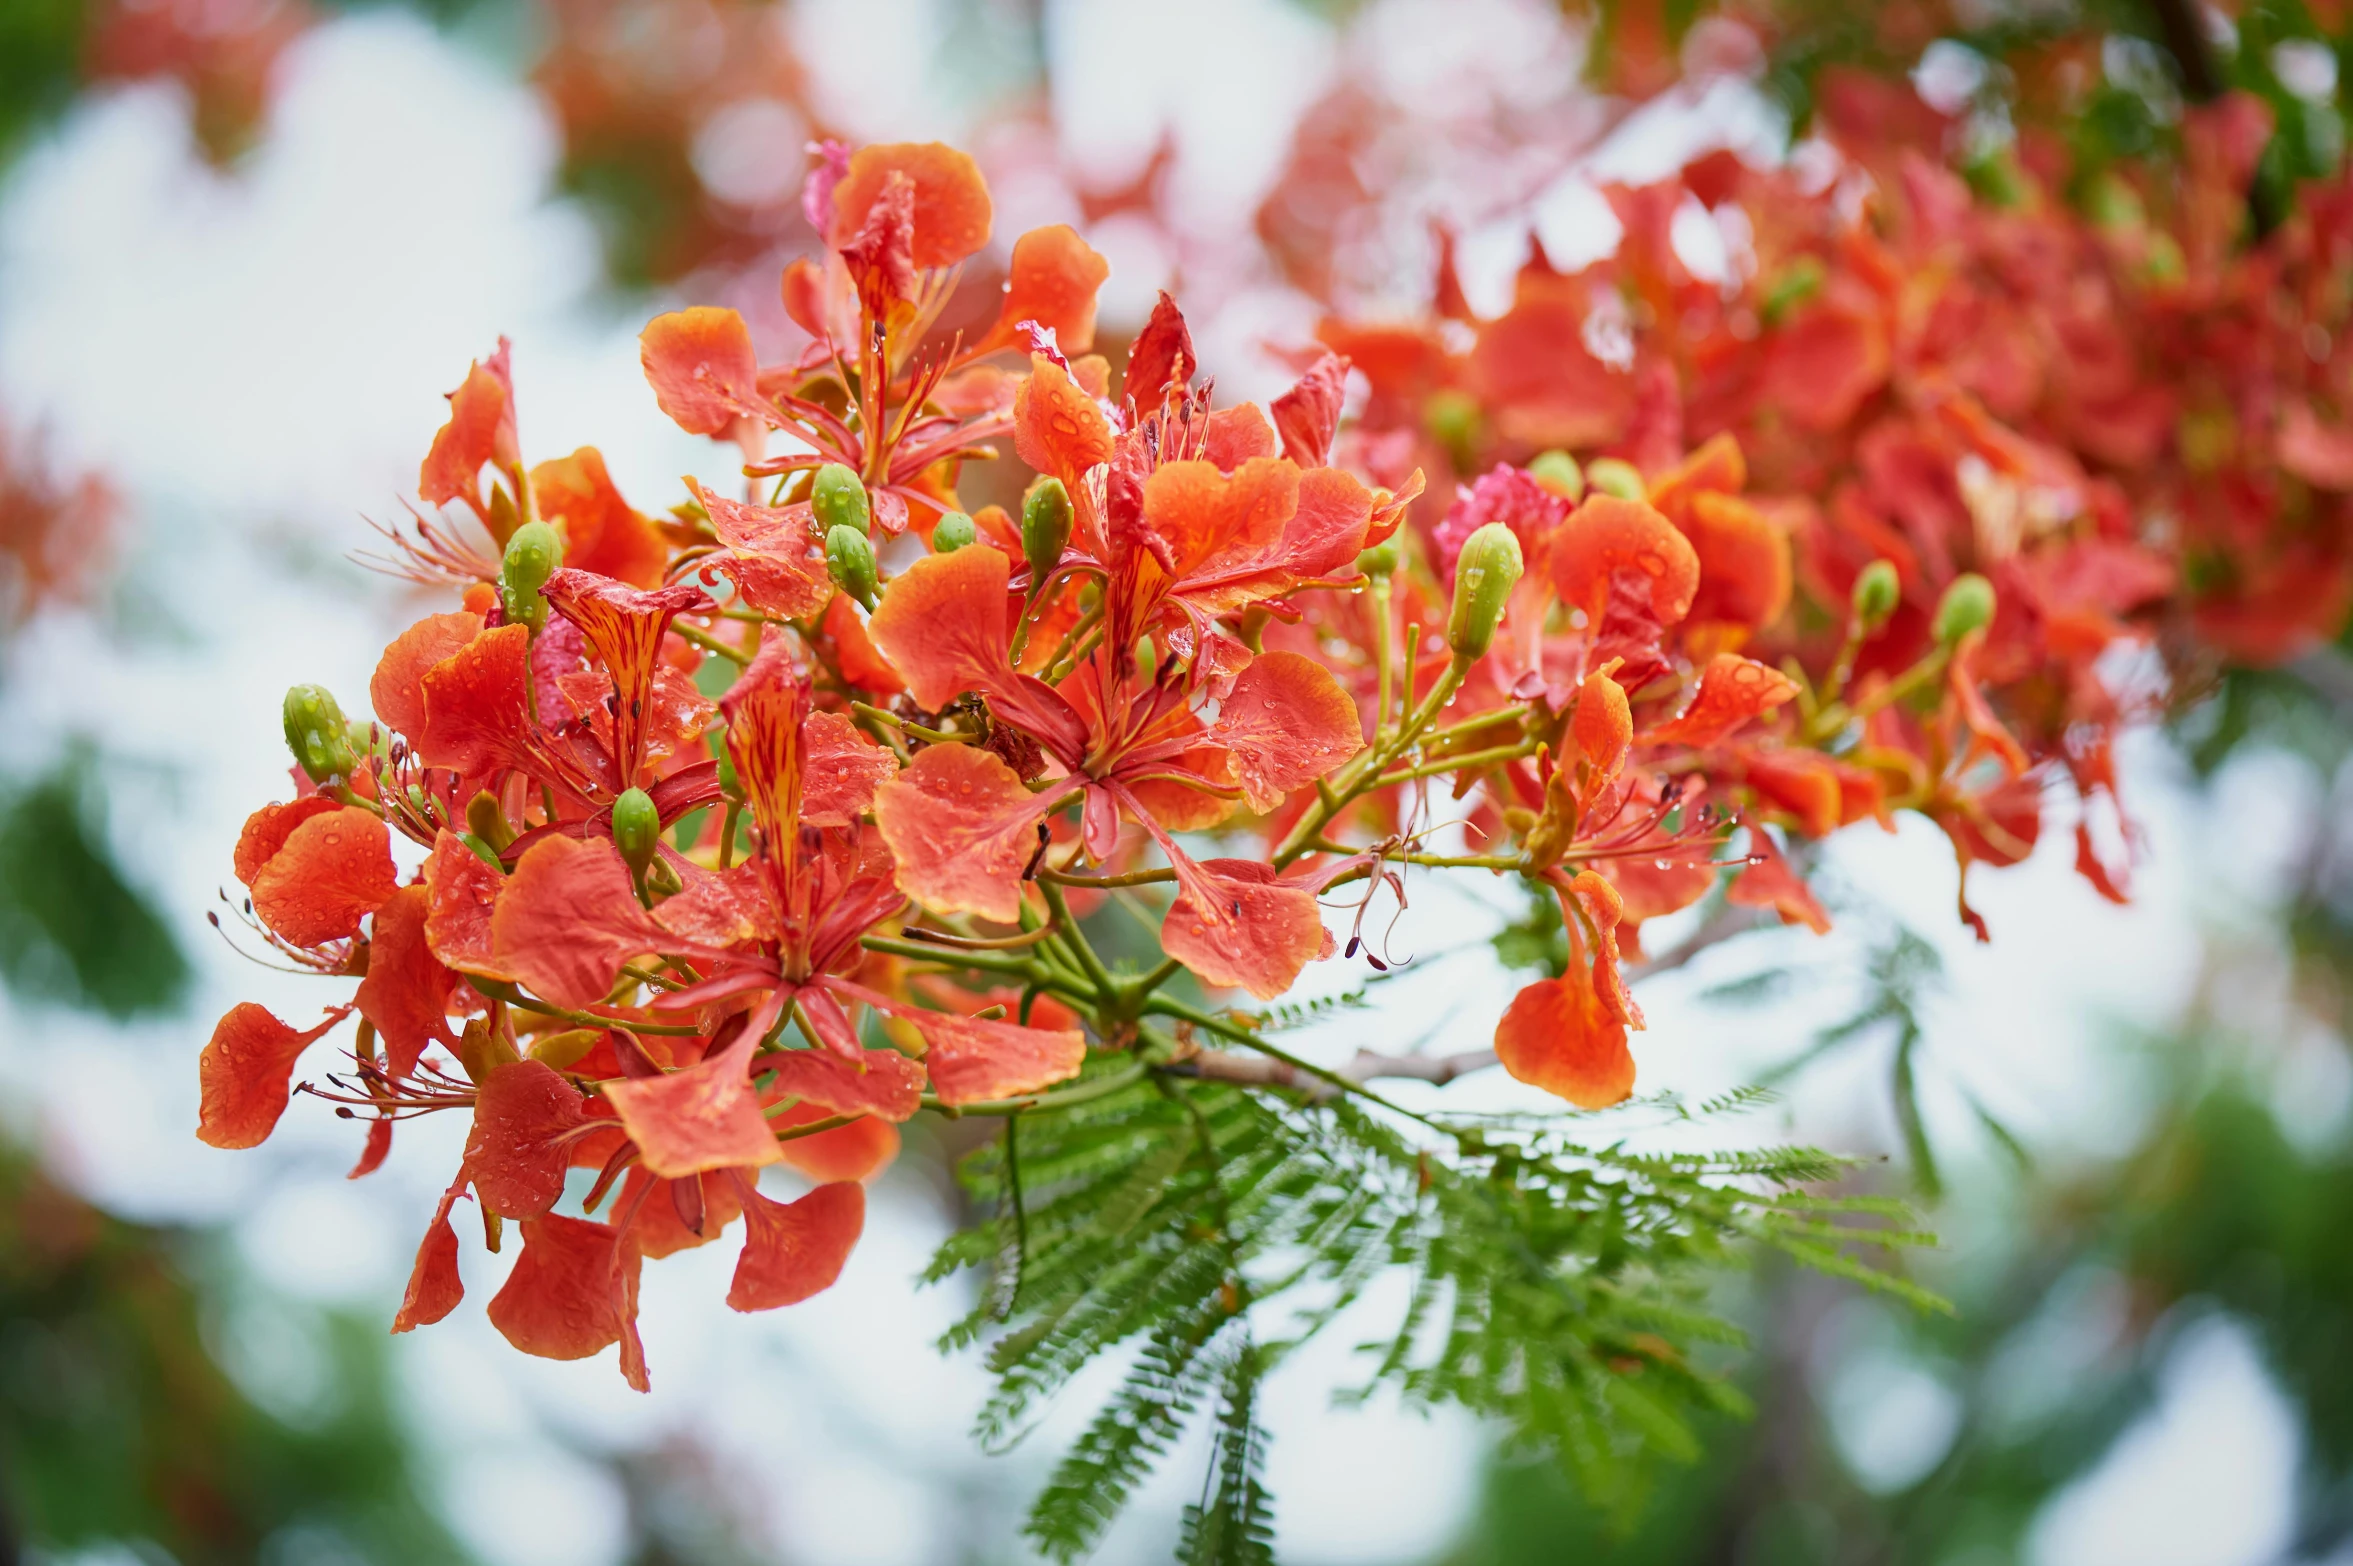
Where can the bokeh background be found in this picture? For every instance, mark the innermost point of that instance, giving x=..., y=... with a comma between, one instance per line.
x=245, y=245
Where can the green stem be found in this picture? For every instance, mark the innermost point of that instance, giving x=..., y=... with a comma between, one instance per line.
x=494, y=989
x=710, y=643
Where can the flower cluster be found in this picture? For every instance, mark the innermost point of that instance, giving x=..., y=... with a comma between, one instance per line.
x=745, y=832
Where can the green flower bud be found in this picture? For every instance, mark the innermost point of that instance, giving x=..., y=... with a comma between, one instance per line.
x=1966, y=606
x=1877, y=592
x=1557, y=473
x=317, y=734
x=1453, y=420
x=1614, y=476
x=534, y=554
x=1380, y=560
x=838, y=498
x=850, y=558
x=637, y=829
x=1489, y=569
x=952, y=532
x=1045, y=528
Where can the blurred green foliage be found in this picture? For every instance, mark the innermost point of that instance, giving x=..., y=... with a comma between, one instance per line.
x=118, y=1425
x=73, y=929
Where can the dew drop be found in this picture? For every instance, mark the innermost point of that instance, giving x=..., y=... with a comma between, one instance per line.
x=1662, y=864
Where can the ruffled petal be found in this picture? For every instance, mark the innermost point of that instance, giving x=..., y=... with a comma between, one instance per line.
x=434, y=1287
x=1235, y=923
x=792, y=1250
x=774, y=556
x=962, y=829
x=1732, y=690
x=1287, y=722
x=1606, y=535
x=245, y=1071
x=972, y=1061
x=603, y=534
x=333, y=870
x=701, y=366
x=407, y=989
x=1053, y=281
x=572, y=1294
x=704, y=1117
x=397, y=691
x=952, y=213
x=569, y=918
x=520, y=1145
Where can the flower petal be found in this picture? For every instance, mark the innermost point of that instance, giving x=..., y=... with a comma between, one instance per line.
x=477, y=705
x=774, y=557
x=963, y=829
x=518, y=1150
x=1053, y=281
x=1608, y=534
x=1769, y=882
x=1559, y=1036
x=603, y=533
x=245, y=1069
x=1058, y=428
x=267, y=829
x=1732, y=690
x=463, y=890
x=407, y=989
x=1236, y=923
x=569, y=918
x=664, y=1213
x=888, y=1087
x=952, y=210
x=840, y=770
x=481, y=429
x=971, y=1060
x=1287, y=722
x=334, y=868
x=573, y=1291
x=701, y=366
x=858, y=1151
x=434, y=1287
x=397, y=692
x=793, y=1250
x=625, y=625
x=704, y=1117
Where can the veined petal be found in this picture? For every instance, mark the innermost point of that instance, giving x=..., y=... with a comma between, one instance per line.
x=603, y=534
x=792, y=1250
x=518, y=1150
x=481, y=429
x=1769, y=882
x=1236, y=923
x=573, y=1291
x=963, y=829
x=972, y=1061
x=245, y=1071
x=569, y=918
x=1606, y=535
x=1053, y=281
x=774, y=556
x=701, y=366
x=463, y=890
x=434, y=1287
x=1196, y=513
x=704, y=1117
x=626, y=626
x=1162, y=355
x=1732, y=690
x=1287, y=722
x=666, y=1208
x=477, y=705
x=397, y=691
x=407, y=989
x=333, y=869
x=1308, y=415
x=952, y=213
x=886, y=1084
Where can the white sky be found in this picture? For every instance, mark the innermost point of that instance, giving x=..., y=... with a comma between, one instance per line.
x=261, y=360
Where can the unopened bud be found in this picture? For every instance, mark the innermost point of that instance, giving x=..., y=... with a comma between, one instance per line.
x=1616, y=476
x=637, y=829
x=850, y=559
x=317, y=734
x=1967, y=605
x=1380, y=560
x=952, y=532
x=1877, y=592
x=838, y=499
x=1557, y=473
x=1484, y=576
x=564, y=1050
x=534, y=554
x=1045, y=528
